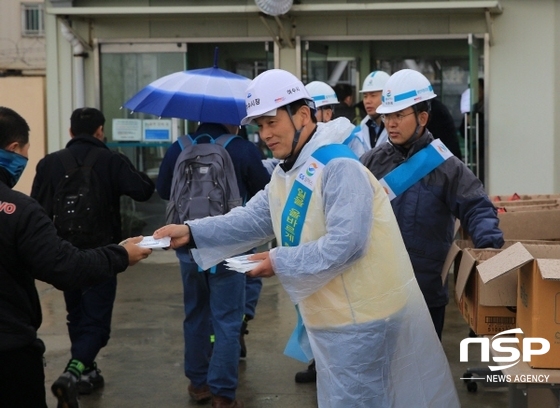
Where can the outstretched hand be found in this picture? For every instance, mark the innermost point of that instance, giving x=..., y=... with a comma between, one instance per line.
x=180, y=234
x=135, y=252
x=263, y=269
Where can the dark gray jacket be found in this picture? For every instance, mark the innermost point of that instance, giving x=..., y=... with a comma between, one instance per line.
x=426, y=213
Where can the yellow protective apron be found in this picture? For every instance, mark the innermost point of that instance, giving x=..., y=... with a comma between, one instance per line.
x=370, y=289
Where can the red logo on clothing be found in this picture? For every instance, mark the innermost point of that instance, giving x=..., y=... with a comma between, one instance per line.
x=8, y=208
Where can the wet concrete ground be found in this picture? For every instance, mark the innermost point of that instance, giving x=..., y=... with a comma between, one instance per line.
x=143, y=362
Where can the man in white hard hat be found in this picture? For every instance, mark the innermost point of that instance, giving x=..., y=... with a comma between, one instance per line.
x=427, y=198
x=371, y=131
x=325, y=100
x=350, y=276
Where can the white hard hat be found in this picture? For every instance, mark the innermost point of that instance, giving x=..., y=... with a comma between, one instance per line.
x=405, y=88
x=271, y=90
x=375, y=81
x=322, y=94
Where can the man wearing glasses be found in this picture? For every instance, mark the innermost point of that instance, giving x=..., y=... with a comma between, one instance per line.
x=429, y=187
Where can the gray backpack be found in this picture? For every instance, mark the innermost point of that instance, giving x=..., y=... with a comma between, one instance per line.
x=204, y=182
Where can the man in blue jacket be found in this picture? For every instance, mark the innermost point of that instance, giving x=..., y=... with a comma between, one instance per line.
x=427, y=208
x=237, y=293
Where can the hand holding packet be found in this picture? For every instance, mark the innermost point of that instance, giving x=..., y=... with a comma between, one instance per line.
x=151, y=242
x=241, y=263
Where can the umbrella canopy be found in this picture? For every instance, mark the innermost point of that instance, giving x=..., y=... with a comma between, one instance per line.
x=203, y=95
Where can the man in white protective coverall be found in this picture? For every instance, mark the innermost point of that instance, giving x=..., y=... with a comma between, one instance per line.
x=342, y=259
x=371, y=132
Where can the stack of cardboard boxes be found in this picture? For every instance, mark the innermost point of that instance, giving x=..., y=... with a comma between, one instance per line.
x=529, y=217
x=519, y=284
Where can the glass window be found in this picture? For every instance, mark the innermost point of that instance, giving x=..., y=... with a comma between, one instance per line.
x=125, y=68
x=122, y=75
x=33, y=24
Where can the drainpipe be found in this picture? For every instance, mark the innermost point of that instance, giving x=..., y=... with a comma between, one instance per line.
x=78, y=65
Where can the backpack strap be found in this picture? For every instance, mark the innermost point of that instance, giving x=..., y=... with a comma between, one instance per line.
x=224, y=140
x=68, y=160
x=185, y=141
x=204, y=135
x=92, y=156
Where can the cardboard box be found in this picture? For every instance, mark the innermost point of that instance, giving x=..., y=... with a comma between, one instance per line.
x=525, y=205
x=488, y=308
x=516, y=197
x=527, y=217
x=530, y=217
x=538, y=293
x=539, y=222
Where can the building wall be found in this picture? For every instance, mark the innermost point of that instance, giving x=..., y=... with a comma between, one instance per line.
x=26, y=96
x=523, y=101
x=556, y=103
x=59, y=85
x=17, y=52
x=522, y=65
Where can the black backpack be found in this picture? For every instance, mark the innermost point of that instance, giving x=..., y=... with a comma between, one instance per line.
x=81, y=212
x=204, y=181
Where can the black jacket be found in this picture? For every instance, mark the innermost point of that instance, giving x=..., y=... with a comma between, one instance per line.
x=442, y=126
x=31, y=249
x=117, y=174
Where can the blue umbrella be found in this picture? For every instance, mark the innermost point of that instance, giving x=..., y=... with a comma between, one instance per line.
x=203, y=95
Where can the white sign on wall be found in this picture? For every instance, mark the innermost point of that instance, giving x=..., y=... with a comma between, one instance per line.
x=127, y=129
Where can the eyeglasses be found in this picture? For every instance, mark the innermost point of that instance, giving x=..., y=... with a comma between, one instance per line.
x=397, y=117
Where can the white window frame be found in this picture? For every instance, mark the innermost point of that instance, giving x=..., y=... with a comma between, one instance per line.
x=39, y=29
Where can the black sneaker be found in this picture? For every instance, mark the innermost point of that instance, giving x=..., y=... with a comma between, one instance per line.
x=90, y=380
x=242, y=334
x=307, y=376
x=66, y=391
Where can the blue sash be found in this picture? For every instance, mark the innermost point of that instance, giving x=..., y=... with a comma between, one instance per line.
x=354, y=135
x=414, y=169
x=293, y=218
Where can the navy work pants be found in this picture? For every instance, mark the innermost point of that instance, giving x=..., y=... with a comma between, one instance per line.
x=214, y=304
x=89, y=319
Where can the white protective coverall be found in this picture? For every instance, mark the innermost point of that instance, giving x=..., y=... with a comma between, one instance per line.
x=370, y=331
x=355, y=144
x=361, y=143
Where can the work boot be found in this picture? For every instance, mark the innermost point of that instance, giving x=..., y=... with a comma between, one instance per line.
x=307, y=376
x=244, y=331
x=90, y=380
x=224, y=402
x=66, y=391
x=200, y=394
